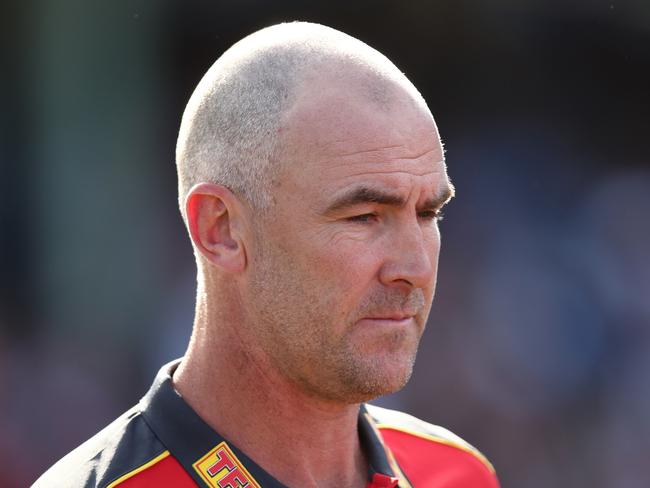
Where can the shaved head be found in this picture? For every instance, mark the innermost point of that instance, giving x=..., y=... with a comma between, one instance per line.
x=232, y=128
x=320, y=175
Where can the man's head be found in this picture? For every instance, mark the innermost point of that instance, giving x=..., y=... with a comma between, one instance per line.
x=318, y=221
x=231, y=129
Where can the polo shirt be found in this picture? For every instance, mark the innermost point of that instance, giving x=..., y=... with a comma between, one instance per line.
x=162, y=442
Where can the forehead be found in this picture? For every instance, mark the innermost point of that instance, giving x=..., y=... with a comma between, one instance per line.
x=336, y=136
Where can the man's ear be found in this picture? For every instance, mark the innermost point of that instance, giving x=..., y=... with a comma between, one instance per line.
x=213, y=213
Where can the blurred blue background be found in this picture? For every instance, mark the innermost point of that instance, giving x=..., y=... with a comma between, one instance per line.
x=538, y=346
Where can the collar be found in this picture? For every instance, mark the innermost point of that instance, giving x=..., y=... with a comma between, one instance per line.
x=214, y=462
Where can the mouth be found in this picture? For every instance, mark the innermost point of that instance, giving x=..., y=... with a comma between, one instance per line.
x=391, y=315
x=393, y=319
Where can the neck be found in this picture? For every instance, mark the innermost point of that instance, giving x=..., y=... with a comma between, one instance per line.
x=298, y=438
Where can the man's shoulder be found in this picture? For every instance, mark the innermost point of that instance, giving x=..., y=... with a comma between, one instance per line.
x=425, y=450
x=118, y=450
x=387, y=420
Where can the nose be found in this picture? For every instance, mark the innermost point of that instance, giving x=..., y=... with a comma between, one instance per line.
x=411, y=256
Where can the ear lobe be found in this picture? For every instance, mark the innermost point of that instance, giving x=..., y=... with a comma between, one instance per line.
x=211, y=212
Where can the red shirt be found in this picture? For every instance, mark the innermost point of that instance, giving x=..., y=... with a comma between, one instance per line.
x=162, y=442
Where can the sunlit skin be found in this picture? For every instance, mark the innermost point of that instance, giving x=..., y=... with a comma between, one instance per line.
x=317, y=304
x=357, y=277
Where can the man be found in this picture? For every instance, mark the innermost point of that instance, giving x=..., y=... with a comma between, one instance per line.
x=311, y=178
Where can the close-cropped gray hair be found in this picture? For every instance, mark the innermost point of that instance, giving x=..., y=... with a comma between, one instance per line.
x=229, y=133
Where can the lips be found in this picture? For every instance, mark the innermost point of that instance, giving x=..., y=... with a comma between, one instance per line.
x=390, y=306
x=399, y=319
x=390, y=316
x=395, y=318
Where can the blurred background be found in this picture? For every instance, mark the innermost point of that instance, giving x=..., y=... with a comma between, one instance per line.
x=538, y=346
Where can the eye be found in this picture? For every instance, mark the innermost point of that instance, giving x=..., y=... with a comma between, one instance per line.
x=363, y=218
x=436, y=215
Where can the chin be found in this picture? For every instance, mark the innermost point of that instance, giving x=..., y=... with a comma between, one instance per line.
x=394, y=380
x=380, y=377
x=367, y=368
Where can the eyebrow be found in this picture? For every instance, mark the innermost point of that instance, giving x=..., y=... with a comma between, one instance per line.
x=364, y=194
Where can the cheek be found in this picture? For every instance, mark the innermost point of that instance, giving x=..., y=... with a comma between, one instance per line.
x=432, y=244
x=353, y=262
x=341, y=272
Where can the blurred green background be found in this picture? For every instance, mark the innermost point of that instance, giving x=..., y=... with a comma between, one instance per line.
x=538, y=346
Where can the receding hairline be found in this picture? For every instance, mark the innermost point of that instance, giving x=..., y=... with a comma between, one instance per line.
x=258, y=60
